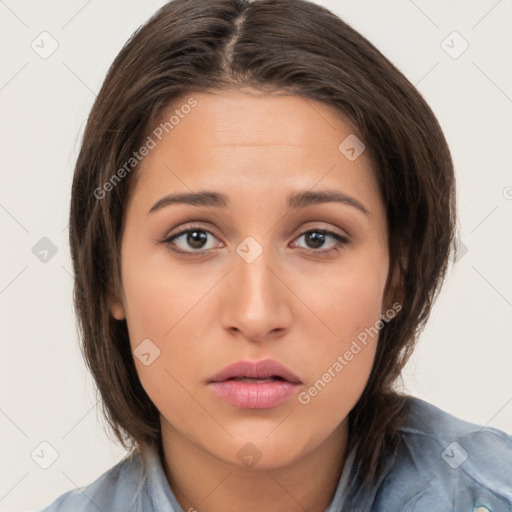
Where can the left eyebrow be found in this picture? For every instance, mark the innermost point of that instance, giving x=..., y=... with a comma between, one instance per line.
x=303, y=199
x=295, y=200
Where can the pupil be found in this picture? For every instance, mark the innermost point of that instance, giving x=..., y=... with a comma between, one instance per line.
x=196, y=239
x=316, y=238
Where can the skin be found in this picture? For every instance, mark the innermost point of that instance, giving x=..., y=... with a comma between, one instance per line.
x=291, y=304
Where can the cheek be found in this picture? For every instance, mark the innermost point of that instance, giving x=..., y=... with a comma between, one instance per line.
x=159, y=296
x=348, y=298
x=349, y=305
x=340, y=364
x=168, y=308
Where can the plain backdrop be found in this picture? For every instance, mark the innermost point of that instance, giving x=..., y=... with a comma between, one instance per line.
x=463, y=361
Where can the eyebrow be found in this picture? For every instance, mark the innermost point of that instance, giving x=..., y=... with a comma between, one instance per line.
x=295, y=200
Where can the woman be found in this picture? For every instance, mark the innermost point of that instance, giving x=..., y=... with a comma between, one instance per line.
x=262, y=215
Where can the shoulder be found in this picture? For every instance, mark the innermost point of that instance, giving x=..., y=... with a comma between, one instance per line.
x=116, y=489
x=445, y=461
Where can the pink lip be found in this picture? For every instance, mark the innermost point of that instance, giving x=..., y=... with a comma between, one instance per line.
x=255, y=395
x=257, y=370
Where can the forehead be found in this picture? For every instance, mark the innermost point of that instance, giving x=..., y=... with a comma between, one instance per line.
x=247, y=141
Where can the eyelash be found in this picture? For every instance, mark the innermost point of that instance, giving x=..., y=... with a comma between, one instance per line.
x=343, y=241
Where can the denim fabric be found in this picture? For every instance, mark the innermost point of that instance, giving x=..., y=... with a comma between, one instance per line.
x=443, y=464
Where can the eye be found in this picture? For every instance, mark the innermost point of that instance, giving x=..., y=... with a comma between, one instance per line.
x=191, y=240
x=195, y=240
x=316, y=239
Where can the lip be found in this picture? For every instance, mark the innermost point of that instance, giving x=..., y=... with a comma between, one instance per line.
x=256, y=370
x=255, y=395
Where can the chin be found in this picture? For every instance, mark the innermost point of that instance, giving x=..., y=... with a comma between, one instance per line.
x=263, y=454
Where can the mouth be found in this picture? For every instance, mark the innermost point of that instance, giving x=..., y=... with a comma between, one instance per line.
x=265, y=370
x=255, y=385
x=274, y=378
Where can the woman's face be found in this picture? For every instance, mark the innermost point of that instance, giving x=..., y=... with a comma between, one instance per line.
x=257, y=277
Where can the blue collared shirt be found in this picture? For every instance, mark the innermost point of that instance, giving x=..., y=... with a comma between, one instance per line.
x=443, y=464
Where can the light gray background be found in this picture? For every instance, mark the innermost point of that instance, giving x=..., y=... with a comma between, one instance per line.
x=463, y=361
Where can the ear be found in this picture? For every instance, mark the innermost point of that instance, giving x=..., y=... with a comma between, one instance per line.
x=115, y=306
x=395, y=292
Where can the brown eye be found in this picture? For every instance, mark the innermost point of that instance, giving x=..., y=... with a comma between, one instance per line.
x=317, y=238
x=314, y=239
x=190, y=240
x=196, y=239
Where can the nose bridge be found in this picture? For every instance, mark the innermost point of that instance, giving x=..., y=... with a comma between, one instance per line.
x=253, y=273
x=257, y=305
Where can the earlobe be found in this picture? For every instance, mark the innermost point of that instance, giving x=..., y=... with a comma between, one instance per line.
x=116, y=307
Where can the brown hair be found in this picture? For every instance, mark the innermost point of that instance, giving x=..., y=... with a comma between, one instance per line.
x=292, y=45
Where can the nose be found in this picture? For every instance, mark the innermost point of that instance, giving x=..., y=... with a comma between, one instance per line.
x=256, y=304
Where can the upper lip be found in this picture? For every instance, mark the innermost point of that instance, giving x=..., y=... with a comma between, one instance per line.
x=256, y=370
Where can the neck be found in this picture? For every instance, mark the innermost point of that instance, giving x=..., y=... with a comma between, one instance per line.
x=202, y=482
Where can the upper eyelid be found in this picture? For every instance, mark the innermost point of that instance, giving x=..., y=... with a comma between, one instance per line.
x=209, y=230
x=185, y=230
x=197, y=225
x=192, y=227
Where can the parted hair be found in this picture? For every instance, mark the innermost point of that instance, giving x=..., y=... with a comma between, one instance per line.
x=302, y=48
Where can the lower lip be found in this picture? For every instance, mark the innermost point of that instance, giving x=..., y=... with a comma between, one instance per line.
x=255, y=395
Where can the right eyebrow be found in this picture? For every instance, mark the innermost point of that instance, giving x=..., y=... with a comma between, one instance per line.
x=205, y=198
